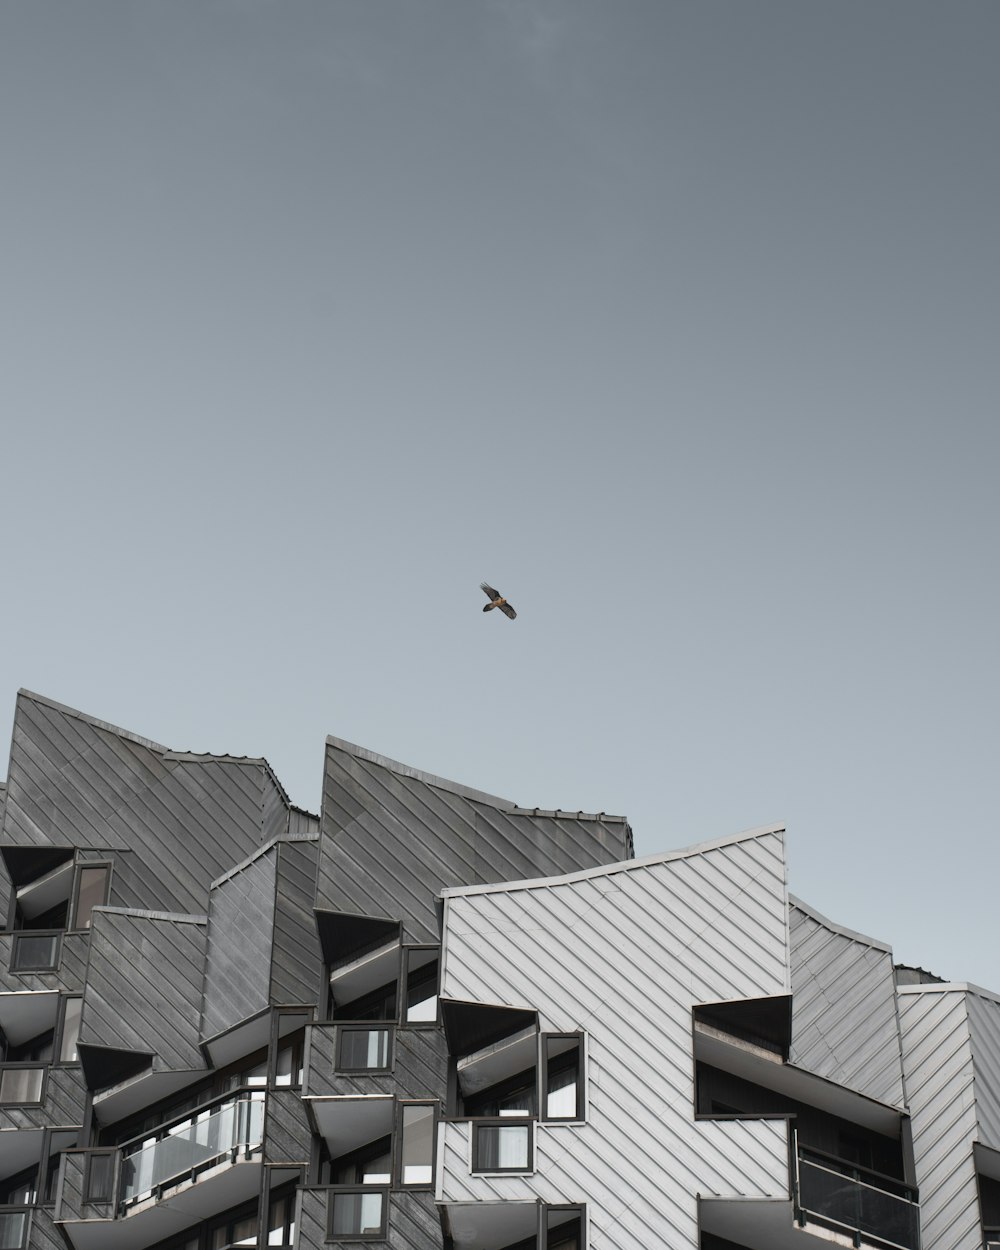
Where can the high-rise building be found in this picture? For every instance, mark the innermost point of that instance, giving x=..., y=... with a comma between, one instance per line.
x=430, y=1019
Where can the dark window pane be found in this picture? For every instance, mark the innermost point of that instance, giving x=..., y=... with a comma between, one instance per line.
x=13, y=1229
x=99, y=1179
x=35, y=951
x=71, y=1030
x=89, y=894
x=418, y=1145
x=500, y=1147
x=421, y=994
x=364, y=1048
x=21, y=1084
x=356, y=1214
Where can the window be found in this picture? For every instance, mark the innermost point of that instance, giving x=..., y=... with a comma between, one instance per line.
x=363, y=1050
x=562, y=1096
x=502, y=1148
x=70, y=1030
x=562, y=1228
x=421, y=984
x=281, y=1222
x=13, y=1229
x=241, y=1232
x=91, y=891
x=34, y=952
x=100, y=1174
x=416, y=1155
x=369, y=1165
x=513, y=1097
x=289, y=1044
x=357, y=1213
x=21, y=1084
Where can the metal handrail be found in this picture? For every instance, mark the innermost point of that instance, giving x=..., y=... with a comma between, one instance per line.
x=164, y=1128
x=845, y=1166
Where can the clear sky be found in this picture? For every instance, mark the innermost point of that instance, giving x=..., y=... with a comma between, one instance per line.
x=678, y=322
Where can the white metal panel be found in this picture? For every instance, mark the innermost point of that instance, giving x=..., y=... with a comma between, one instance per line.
x=984, y=1030
x=624, y=953
x=844, y=1023
x=938, y=1068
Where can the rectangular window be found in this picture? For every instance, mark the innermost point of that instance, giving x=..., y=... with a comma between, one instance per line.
x=21, y=1085
x=70, y=1030
x=421, y=985
x=357, y=1213
x=563, y=1228
x=502, y=1148
x=100, y=1173
x=363, y=1050
x=13, y=1230
x=562, y=1069
x=416, y=1156
x=35, y=952
x=91, y=892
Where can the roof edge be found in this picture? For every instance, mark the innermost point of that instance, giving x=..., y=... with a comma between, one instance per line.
x=406, y=770
x=607, y=870
x=92, y=720
x=843, y=930
x=951, y=987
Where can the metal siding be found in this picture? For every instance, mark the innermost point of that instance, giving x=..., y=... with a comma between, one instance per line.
x=420, y=1066
x=938, y=1069
x=68, y=977
x=984, y=1029
x=414, y=1223
x=287, y=1135
x=63, y=1103
x=624, y=956
x=44, y=1234
x=391, y=840
x=844, y=1025
x=297, y=962
x=240, y=930
x=144, y=988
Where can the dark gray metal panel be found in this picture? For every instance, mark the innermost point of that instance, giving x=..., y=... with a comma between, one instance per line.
x=311, y=1219
x=420, y=1066
x=144, y=987
x=414, y=1223
x=44, y=1234
x=287, y=1135
x=392, y=839
x=297, y=962
x=77, y=782
x=63, y=1101
x=240, y=928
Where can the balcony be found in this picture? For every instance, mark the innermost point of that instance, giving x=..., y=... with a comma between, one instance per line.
x=869, y=1207
x=205, y=1162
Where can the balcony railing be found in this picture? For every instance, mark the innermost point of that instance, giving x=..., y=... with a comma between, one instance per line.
x=217, y=1132
x=865, y=1204
x=14, y=1224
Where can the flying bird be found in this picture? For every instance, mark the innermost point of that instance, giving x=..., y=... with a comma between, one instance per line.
x=496, y=600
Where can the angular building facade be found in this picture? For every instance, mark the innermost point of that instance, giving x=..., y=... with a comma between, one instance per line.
x=430, y=1019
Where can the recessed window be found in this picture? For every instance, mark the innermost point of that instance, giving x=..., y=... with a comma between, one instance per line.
x=91, y=892
x=502, y=1148
x=416, y=1165
x=563, y=1093
x=34, y=952
x=70, y=1030
x=13, y=1228
x=421, y=985
x=363, y=1050
x=357, y=1213
x=21, y=1084
x=100, y=1174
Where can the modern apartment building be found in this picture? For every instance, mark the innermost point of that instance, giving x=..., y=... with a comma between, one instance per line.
x=429, y=1019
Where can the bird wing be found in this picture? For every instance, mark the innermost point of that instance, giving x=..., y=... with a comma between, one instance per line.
x=507, y=610
x=493, y=594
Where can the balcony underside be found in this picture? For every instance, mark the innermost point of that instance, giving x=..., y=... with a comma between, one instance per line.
x=764, y=1225
x=224, y=1186
x=490, y=1225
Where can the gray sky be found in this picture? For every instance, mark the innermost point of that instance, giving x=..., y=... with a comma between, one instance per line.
x=675, y=321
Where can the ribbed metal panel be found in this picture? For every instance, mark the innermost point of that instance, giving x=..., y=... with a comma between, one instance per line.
x=77, y=782
x=938, y=1069
x=311, y=1218
x=624, y=954
x=296, y=960
x=240, y=930
x=63, y=1101
x=844, y=1023
x=68, y=977
x=414, y=1223
x=984, y=1032
x=392, y=838
x=44, y=1234
x=287, y=1135
x=144, y=987
x=420, y=1066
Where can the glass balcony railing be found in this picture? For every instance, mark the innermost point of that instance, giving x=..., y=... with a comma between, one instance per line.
x=843, y=1196
x=179, y=1151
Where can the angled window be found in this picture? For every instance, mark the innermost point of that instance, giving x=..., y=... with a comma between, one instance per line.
x=100, y=1175
x=416, y=1153
x=562, y=1076
x=356, y=1214
x=562, y=1228
x=70, y=1031
x=499, y=1147
x=361, y=1049
x=421, y=985
x=289, y=1045
x=13, y=1229
x=370, y=1164
x=91, y=890
x=21, y=1083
